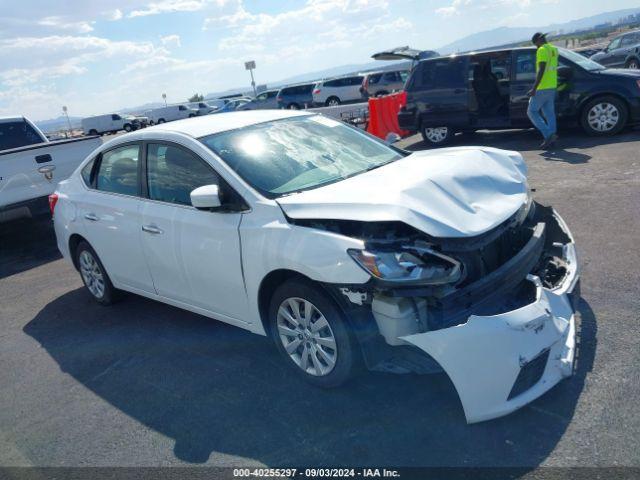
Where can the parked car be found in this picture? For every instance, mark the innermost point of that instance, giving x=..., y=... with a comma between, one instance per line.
x=264, y=100
x=31, y=166
x=170, y=113
x=233, y=105
x=463, y=93
x=264, y=220
x=296, y=97
x=203, y=108
x=622, y=52
x=110, y=123
x=338, y=90
x=382, y=83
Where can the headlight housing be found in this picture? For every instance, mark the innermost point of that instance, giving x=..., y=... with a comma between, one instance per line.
x=411, y=265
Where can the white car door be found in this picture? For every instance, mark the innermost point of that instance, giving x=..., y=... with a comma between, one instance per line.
x=193, y=255
x=110, y=211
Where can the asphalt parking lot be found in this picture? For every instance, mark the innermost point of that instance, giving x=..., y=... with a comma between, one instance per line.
x=142, y=383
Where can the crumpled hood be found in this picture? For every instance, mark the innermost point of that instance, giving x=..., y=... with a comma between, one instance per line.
x=449, y=192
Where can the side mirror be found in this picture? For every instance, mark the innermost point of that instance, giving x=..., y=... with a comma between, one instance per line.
x=206, y=197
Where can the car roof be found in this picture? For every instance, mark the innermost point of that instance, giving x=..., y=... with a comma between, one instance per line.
x=477, y=52
x=221, y=122
x=11, y=119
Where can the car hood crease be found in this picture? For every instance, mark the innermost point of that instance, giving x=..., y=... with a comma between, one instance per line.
x=447, y=193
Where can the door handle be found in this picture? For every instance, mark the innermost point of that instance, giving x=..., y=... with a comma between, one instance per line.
x=152, y=229
x=47, y=169
x=91, y=216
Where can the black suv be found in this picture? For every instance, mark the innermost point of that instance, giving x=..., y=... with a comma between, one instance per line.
x=488, y=90
x=622, y=52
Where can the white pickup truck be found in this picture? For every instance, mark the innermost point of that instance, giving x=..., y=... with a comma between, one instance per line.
x=31, y=166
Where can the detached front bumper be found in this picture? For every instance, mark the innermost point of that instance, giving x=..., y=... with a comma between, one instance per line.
x=499, y=363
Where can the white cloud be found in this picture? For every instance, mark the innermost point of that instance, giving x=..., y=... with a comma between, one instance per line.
x=113, y=14
x=171, y=40
x=62, y=24
x=168, y=6
x=453, y=9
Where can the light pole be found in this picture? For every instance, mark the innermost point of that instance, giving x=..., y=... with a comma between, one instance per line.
x=164, y=97
x=250, y=65
x=64, y=109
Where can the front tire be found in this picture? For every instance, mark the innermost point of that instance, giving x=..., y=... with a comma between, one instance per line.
x=160, y=120
x=93, y=131
x=436, y=136
x=127, y=128
x=94, y=276
x=604, y=116
x=310, y=332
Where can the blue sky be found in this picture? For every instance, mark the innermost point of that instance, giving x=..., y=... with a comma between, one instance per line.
x=101, y=56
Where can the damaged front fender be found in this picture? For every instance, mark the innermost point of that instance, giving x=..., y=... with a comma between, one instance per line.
x=498, y=363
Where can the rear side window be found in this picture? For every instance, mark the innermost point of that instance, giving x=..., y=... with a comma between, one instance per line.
x=334, y=83
x=390, y=77
x=443, y=73
x=118, y=171
x=173, y=173
x=86, y=173
x=353, y=81
x=375, y=78
x=526, y=65
x=17, y=134
x=630, y=39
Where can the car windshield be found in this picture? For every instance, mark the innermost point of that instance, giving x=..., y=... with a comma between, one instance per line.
x=580, y=60
x=299, y=153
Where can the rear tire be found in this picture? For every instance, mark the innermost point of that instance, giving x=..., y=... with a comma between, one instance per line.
x=93, y=131
x=160, y=120
x=94, y=276
x=293, y=106
x=604, y=115
x=319, y=346
x=332, y=102
x=436, y=136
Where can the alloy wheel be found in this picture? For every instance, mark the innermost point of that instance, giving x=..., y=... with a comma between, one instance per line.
x=634, y=65
x=306, y=336
x=333, y=102
x=603, y=117
x=92, y=274
x=436, y=135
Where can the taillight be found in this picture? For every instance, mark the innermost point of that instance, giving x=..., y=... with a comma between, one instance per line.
x=53, y=199
x=316, y=91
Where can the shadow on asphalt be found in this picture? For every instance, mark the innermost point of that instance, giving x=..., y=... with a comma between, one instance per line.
x=529, y=140
x=215, y=389
x=26, y=244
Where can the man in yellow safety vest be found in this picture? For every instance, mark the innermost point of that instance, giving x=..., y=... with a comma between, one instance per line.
x=541, y=109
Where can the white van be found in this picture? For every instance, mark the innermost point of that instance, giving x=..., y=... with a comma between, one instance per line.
x=109, y=123
x=170, y=113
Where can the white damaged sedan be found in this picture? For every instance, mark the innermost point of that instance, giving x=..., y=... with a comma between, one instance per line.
x=337, y=246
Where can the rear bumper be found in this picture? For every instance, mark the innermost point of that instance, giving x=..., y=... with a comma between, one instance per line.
x=499, y=363
x=634, y=110
x=407, y=121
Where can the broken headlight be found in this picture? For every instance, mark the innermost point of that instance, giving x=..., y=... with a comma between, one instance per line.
x=418, y=265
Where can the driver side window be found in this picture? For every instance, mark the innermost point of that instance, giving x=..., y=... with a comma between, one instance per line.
x=173, y=173
x=614, y=44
